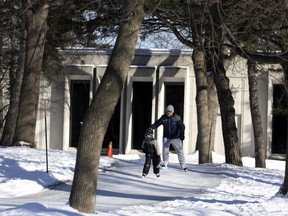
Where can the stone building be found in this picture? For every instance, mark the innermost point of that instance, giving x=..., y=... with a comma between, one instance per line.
x=156, y=78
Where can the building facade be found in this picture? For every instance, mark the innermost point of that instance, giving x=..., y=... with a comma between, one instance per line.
x=156, y=78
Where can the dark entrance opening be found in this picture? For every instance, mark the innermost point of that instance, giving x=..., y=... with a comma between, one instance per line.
x=141, y=111
x=279, y=120
x=112, y=133
x=79, y=105
x=174, y=94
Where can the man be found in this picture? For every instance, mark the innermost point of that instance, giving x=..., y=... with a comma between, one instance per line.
x=174, y=133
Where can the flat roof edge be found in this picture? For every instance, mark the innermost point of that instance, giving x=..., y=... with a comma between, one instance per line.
x=176, y=52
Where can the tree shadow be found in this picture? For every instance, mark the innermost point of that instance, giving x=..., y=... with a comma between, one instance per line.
x=41, y=209
x=12, y=169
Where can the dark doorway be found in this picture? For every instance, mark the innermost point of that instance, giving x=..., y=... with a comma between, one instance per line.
x=79, y=105
x=141, y=111
x=112, y=133
x=279, y=120
x=174, y=94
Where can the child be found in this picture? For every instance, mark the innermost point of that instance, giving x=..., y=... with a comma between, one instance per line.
x=152, y=153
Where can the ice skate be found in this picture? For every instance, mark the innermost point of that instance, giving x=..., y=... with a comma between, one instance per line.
x=164, y=167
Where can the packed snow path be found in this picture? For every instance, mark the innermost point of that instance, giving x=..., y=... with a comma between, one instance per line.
x=132, y=188
x=173, y=183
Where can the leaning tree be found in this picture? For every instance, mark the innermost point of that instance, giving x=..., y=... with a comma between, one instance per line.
x=99, y=113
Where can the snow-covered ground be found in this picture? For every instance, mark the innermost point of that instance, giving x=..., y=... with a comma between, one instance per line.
x=210, y=189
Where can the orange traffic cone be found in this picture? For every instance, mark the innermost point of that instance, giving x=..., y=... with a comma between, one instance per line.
x=109, y=150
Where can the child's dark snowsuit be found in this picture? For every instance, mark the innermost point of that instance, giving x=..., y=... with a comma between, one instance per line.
x=152, y=153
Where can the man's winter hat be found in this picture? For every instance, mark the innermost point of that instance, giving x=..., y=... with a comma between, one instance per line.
x=170, y=108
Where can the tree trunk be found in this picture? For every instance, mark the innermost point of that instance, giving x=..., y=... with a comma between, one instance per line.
x=28, y=106
x=212, y=116
x=260, y=153
x=226, y=102
x=284, y=187
x=15, y=86
x=213, y=110
x=99, y=113
x=203, y=137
